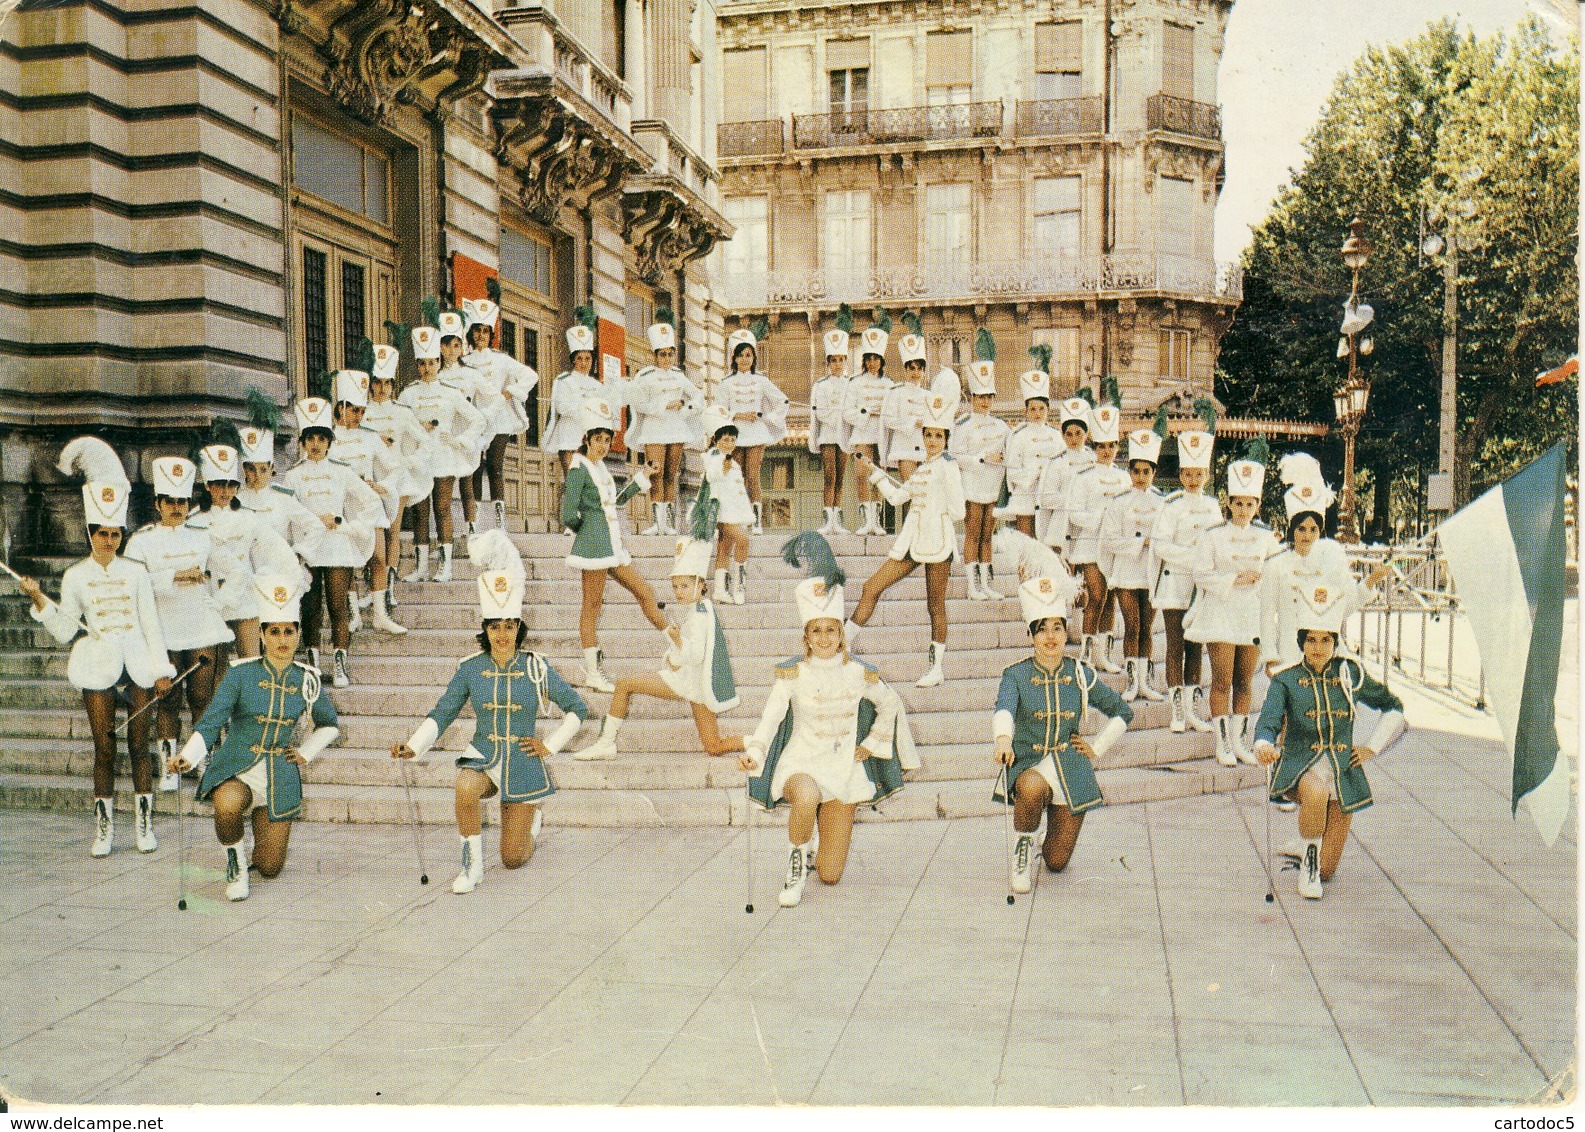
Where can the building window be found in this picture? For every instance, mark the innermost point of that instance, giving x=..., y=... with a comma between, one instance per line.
x=745, y=76
x=778, y=473
x=1175, y=346
x=526, y=260
x=1057, y=216
x=316, y=343
x=1059, y=60
x=745, y=252
x=948, y=224
x=352, y=321
x=850, y=98
x=949, y=68
x=344, y=172
x=847, y=223
x=1177, y=60
x=1175, y=216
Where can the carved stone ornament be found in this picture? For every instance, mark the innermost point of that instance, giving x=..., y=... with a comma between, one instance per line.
x=664, y=232
x=375, y=50
x=559, y=157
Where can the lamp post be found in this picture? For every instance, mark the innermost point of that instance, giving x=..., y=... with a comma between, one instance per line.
x=1350, y=400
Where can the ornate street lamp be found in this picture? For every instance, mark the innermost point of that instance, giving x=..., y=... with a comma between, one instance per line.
x=1350, y=400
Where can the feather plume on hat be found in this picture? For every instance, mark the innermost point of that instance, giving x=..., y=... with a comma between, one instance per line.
x=1041, y=352
x=492, y=289
x=911, y=323
x=94, y=460
x=1085, y=394
x=429, y=307
x=263, y=412
x=1300, y=467
x=585, y=316
x=1028, y=557
x=706, y=509
x=1111, y=393
x=665, y=315
x=1258, y=450
x=810, y=550
x=363, y=356
x=492, y=552
x=1205, y=409
x=844, y=319
x=760, y=328
x=1160, y=426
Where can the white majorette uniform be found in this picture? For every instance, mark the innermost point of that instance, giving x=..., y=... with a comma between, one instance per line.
x=1180, y=527
x=753, y=392
x=472, y=384
x=903, y=411
x=828, y=399
x=329, y=487
x=665, y=402
x=115, y=603
x=1028, y=449
x=243, y=544
x=1057, y=476
x=364, y=450
x=591, y=504
x=1291, y=579
x=452, y=426
x=700, y=671
x=824, y=698
x=502, y=383
x=1128, y=559
x=398, y=427
x=978, y=436
x=1091, y=491
x=935, y=495
x=276, y=504
x=724, y=475
x=1222, y=610
x=189, y=614
x=564, y=425
x=866, y=396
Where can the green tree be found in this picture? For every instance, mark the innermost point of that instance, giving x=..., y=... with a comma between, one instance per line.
x=1445, y=133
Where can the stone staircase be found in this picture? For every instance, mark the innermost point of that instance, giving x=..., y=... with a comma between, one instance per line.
x=661, y=777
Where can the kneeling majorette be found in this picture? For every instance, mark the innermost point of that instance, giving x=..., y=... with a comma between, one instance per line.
x=929, y=534
x=697, y=669
x=255, y=770
x=1128, y=560
x=110, y=600
x=1311, y=706
x=509, y=687
x=833, y=736
x=1039, y=708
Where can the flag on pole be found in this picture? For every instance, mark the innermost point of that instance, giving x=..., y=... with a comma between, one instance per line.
x=1506, y=553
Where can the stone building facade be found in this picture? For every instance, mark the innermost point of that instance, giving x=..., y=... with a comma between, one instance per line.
x=197, y=198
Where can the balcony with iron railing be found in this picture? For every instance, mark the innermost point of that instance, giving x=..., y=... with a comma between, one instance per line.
x=1060, y=117
x=1074, y=277
x=908, y=124
x=1183, y=116
x=751, y=139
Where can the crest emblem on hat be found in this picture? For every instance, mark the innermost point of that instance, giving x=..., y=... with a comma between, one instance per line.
x=282, y=595
x=1304, y=493
x=1320, y=595
x=501, y=584
x=363, y=383
x=818, y=589
x=250, y=436
x=107, y=495
x=1045, y=586
x=1192, y=440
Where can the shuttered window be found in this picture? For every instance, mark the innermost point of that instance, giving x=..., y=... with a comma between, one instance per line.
x=847, y=54
x=949, y=59
x=1059, y=47
x=743, y=86
x=1177, y=60
x=948, y=224
x=1175, y=216
x=1057, y=216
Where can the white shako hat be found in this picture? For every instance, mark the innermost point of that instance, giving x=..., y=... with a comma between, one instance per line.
x=911, y=348
x=1246, y=477
x=219, y=462
x=836, y=343
x=278, y=597
x=174, y=477
x=258, y=444
x=500, y=595
x=579, y=337
x=313, y=412
x=1308, y=495
x=738, y=338
x=1032, y=383
x=426, y=343
x=1144, y=444
x=597, y=413
x=479, y=312
x=982, y=378
x=714, y=418
x=941, y=411
x=692, y=559
x=873, y=341
x=662, y=336
x=450, y=324
x=1195, y=448
x=1323, y=606
x=1075, y=409
x=1043, y=597
x=816, y=599
x=105, y=503
x=1105, y=420
x=352, y=386
x=386, y=359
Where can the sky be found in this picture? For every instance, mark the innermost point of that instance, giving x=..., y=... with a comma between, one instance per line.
x=1278, y=66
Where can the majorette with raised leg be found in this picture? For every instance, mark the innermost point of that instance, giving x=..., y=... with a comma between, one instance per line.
x=1185, y=516
x=573, y=386
x=732, y=511
x=1128, y=560
x=1029, y=447
x=696, y=669
x=510, y=688
x=502, y=387
x=404, y=438
x=756, y=406
x=929, y=535
x=828, y=430
x=255, y=770
x=1090, y=491
x=110, y=601
x=861, y=412
x=833, y=736
x=979, y=445
x=1040, y=707
x=665, y=419
x=379, y=466
x=1225, y=613
x=1073, y=420
x=349, y=515
x=590, y=509
x=1311, y=707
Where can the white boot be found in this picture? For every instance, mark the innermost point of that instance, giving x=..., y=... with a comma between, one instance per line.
x=658, y=511
x=381, y=620
x=876, y=526
x=1147, y=690
x=390, y=589
x=539, y=823
x=339, y=678
x=422, y=552
x=236, y=871
x=740, y=594
x=313, y=659
x=933, y=675
x=792, y=889
x=1293, y=849
x=671, y=519
x=605, y=746
x=986, y=587
x=1023, y=863
x=836, y=522
x=971, y=571
x=1310, y=869
x=593, y=678
x=827, y=527
x=1235, y=734
x=759, y=520
x=104, y=826
x=471, y=527
x=472, y=874
x=1131, y=688
x=1105, y=645
x=1179, y=723
x=1192, y=705
x=356, y=621
x=850, y=634
x=1087, y=649
x=444, y=573
x=169, y=779
x=1224, y=741
x=499, y=506
x=723, y=596
x=145, y=826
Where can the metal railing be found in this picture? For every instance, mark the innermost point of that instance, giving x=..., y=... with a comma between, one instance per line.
x=892, y=126
x=750, y=139
x=1183, y=116
x=1060, y=117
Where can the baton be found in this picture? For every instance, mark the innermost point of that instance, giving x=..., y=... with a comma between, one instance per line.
x=7, y=568
x=197, y=664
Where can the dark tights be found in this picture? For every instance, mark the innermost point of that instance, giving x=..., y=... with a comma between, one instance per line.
x=1183, y=656
x=493, y=465
x=832, y=464
x=1138, y=619
x=200, y=689
x=439, y=501
x=331, y=584
x=101, y=708
x=978, y=526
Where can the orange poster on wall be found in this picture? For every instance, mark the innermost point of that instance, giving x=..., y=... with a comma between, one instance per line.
x=613, y=346
x=470, y=279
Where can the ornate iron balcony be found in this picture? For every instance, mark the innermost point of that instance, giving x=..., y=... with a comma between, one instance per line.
x=750, y=139
x=863, y=126
x=1183, y=116
x=1060, y=117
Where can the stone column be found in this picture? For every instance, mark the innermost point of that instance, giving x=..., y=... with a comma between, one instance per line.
x=633, y=53
x=669, y=33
